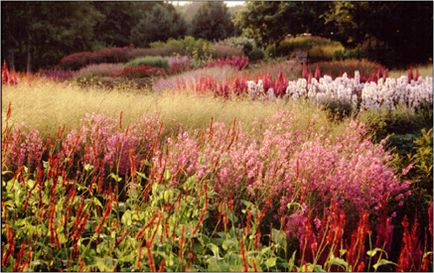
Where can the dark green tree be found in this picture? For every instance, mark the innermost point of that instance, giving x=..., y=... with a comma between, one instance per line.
x=269, y=22
x=400, y=32
x=119, y=19
x=159, y=24
x=40, y=33
x=212, y=21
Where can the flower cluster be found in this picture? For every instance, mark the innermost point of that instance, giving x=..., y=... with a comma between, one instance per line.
x=141, y=71
x=385, y=92
x=281, y=181
x=179, y=64
x=239, y=62
x=57, y=74
x=8, y=78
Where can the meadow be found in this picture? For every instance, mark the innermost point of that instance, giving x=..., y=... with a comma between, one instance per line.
x=128, y=159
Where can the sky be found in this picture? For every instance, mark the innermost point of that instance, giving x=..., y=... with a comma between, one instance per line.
x=228, y=3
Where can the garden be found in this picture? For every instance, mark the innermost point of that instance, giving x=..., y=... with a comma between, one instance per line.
x=210, y=144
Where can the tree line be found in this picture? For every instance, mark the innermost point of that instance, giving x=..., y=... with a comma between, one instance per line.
x=37, y=34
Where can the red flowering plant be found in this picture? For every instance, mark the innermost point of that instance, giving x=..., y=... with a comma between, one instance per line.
x=141, y=71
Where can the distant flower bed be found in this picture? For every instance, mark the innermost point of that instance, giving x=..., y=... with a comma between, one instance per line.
x=140, y=71
x=110, y=55
x=239, y=62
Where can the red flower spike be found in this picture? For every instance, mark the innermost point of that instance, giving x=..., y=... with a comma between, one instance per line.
x=317, y=73
x=410, y=74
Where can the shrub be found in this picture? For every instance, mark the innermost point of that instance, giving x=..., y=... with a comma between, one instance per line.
x=337, y=109
x=141, y=71
x=225, y=51
x=196, y=48
x=57, y=74
x=101, y=70
x=400, y=121
x=255, y=54
x=239, y=41
x=239, y=62
x=106, y=55
x=318, y=48
x=178, y=64
x=323, y=52
x=422, y=162
x=112, y=55
x=158, y=51
x=154, y=61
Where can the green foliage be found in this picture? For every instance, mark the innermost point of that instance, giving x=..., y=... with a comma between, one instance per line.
x=403, y=120
x=337, y=110
x=398, y=33
x=269, y=22
x=154, y=61
x=197, y=48
x=161, y=23
x=119, y=19
x=422, y=159
x=212, y=21
x=40, y=33
x=255, y=54
x=318, y=48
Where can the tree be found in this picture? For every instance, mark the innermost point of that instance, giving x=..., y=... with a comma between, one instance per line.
x=160, y=24
x=119, y=19
x=270, y=22
x=40, y=33
x=212, y=21
x=402, y=31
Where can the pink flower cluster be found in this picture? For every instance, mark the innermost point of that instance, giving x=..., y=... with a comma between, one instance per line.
x=239, y=62
x=299, y=165
x=179, y=64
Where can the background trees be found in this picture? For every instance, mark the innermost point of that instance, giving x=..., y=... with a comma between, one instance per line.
x=212, y=21
x=159, y=24
x=390, y=32
x=38, y=34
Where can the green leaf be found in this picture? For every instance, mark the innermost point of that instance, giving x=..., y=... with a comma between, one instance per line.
x=97, y=202
x=126, y=218
x=230, y=244
x=116, y=177
x=270, y=262
x=381, y=263
x=166, y=175
x=337, y=261
x=279, y=238
x=373, y=252
x=105, y=264
x=88, y=167
x=142, y=175
x=214, y=249
x=291, y=262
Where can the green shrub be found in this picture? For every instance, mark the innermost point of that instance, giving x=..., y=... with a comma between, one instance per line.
x=256, y=54
x=337, y=110
x=100, y=70
x=197, y=48
x=324, y=52
x=154, y=61
x=382, y=122
x=271, y=51
x=422, y=159
x=318, y=48
x=224, y=51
